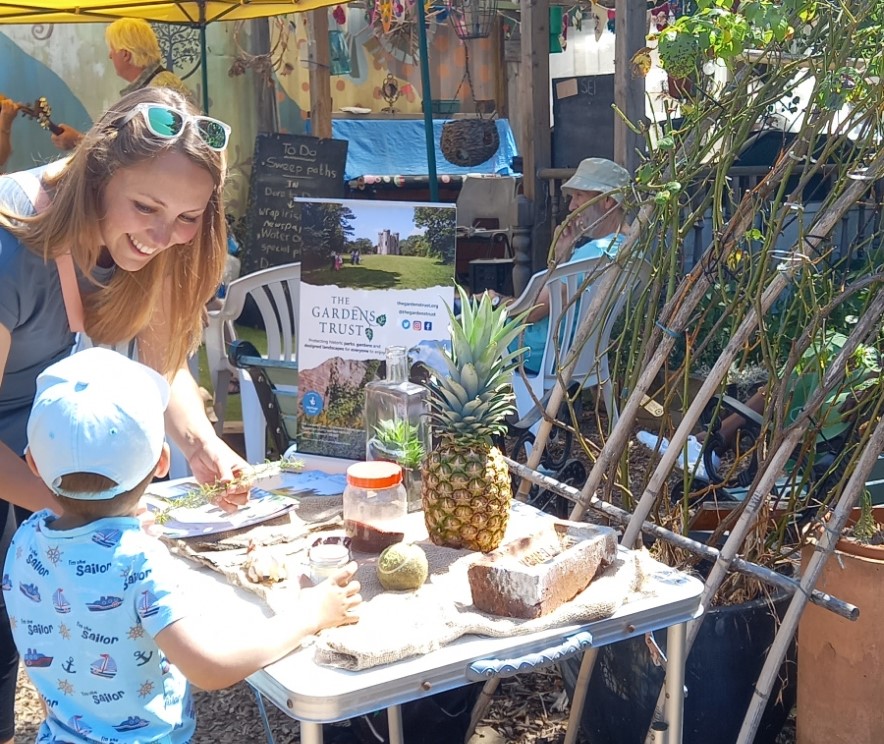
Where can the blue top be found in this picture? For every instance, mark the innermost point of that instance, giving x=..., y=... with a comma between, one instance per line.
x=535, y=334
x=32, y=310
x=85, y=605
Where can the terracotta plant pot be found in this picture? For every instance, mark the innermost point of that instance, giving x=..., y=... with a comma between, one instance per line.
x=841, y=663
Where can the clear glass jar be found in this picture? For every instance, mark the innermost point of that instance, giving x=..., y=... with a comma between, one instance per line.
x=397, y=422
x=326, y=555
x=374, y=506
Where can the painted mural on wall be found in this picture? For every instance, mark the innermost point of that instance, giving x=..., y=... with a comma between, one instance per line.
x=68, y=64
x=374, y=48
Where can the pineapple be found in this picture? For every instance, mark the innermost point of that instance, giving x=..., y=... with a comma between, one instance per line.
x=466, y=490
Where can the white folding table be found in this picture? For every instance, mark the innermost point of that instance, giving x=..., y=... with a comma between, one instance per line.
x=315, y=694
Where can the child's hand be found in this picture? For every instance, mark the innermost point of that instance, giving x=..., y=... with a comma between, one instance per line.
x=334, y=601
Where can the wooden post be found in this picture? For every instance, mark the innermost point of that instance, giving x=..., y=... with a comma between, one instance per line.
x=320, y=78
x=501, y=99
x=629, y=91
x=535, y=139
x=265, y=89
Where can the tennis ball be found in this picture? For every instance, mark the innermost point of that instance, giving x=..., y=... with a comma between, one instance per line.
x=402, y=566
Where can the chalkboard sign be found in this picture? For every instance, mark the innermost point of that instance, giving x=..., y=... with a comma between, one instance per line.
x=583, y=119
x=286, y=166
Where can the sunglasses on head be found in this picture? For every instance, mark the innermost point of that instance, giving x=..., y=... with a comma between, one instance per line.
x=169, y=123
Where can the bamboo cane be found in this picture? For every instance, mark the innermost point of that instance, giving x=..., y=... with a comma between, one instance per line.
x=787, y=584
x=822, y=226
x=693, y=288
x=583, y=331
x=824, y=548
x=483, y=702
x=767, y=478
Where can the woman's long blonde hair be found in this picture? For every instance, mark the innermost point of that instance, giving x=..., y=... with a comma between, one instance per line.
x=121, y=309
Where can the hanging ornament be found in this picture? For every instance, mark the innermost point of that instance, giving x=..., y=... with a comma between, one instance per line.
x=578, y=18
x=641, y=62
x=611, y=21
x=598, y=27
x=472, y=19
x=386, y=13
x=660, y=16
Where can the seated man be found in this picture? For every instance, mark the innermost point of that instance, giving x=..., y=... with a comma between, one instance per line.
x=596, y=231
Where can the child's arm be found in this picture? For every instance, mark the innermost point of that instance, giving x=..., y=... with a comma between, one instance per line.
x=214, y=655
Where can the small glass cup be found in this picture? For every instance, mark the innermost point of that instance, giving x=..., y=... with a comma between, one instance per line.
x=326, y=555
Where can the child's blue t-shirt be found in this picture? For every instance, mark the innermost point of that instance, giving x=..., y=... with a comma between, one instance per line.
x=85, y=605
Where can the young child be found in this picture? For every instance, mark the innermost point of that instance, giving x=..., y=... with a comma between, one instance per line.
x=108, y=637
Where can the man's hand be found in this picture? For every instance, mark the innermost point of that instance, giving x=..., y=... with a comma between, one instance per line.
x=68, y=139
x=8, y=111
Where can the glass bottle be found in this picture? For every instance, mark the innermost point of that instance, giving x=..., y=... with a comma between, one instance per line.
x=397, y=422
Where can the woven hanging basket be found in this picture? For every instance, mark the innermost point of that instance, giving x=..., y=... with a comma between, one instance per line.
x=469, y=142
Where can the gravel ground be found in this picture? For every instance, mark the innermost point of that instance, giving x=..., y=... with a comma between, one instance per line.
x=526, y=710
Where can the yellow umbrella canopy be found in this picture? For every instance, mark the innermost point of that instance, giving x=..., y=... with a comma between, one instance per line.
x=198, y=14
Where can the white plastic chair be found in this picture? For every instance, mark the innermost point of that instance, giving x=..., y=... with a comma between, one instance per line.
x=592, y=363
x=276, y=294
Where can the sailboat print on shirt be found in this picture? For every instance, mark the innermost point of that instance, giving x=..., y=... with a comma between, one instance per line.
x=60, y=603
x=107, y=538
x=77, y=725
x=104, y=666
x=147, y=605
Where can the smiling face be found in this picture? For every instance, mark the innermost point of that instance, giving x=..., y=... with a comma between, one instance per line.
x=151, y=206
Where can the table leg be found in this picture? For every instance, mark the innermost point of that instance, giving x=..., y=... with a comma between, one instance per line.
x=676, y=636
x=311, y=733
x=268, y=732
x=578, y=697
x=394, y=724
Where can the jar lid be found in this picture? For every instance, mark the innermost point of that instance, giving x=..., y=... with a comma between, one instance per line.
x=374, y=474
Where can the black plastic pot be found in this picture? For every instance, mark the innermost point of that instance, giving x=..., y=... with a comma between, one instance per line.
x=721, y=671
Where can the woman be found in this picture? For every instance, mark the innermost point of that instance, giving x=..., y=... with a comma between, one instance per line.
x=128, y=238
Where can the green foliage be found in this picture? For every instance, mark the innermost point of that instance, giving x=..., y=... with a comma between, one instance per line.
x=440, y=226
x=385, y=272
x=399, y=437
x=363, y=245
x=416, y=245
x=866, y=527
x=325, y=228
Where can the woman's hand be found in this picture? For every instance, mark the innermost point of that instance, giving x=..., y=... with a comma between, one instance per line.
x=215, y=462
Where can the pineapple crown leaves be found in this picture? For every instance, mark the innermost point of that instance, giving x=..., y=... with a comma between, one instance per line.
x=472, y=398
x=482, y=331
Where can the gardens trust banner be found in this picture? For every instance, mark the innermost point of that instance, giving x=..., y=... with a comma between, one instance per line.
x=373, y=274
